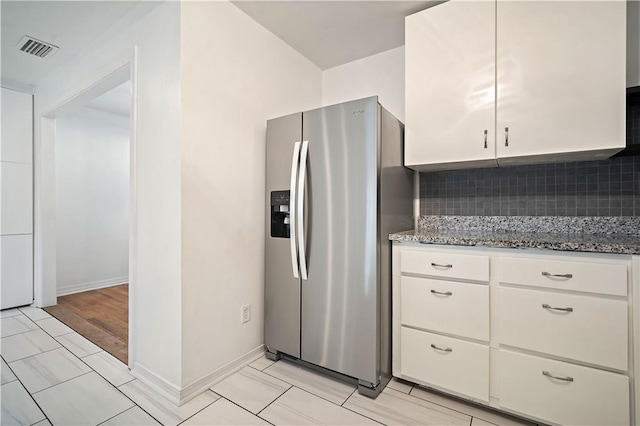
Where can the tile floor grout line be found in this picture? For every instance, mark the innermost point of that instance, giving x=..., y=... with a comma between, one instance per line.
x=304, y=389
x=435, y=403
x=439, y=405
x=24, y=313
x=91, y=368
x=51, y=316
x=30, y=394
x=100, y=375
x=111, y=384
x=16, y=308
x=59, y=383
x=135, y=404
x=350, y=395
x=115, y=415
x=279, y=396
x=202, y=409
x=488, y=408
x=348, y=409
x=255, y=414
x=360, y=414
x=22, y=332
x=39, y=353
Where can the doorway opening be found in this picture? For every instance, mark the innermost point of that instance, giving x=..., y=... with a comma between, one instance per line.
x=93, y=142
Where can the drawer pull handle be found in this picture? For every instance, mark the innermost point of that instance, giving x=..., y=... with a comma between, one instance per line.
x=544, y=305
x=438, y=265
x=442, y=293
x=441, y=349
x=547, y=274
x=564, y=379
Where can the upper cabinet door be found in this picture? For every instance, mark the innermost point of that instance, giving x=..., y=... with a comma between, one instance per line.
x=561, y=80
x=450, y=86
x=17, y=127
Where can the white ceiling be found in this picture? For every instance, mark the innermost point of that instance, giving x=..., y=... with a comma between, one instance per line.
x=115, y=101
x=328, y=33
x=70, y=25
x=331, y=33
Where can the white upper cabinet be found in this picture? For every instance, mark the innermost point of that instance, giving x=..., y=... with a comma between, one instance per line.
x=17, y=125
x=450, y=86
x=545, y=79
x=561, y=80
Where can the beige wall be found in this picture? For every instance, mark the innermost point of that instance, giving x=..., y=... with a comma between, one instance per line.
x=235, y=75
x=381, y=75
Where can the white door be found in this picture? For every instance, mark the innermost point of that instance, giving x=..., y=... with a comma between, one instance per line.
x=16, y=201
x=450, y=86
x=561, y=79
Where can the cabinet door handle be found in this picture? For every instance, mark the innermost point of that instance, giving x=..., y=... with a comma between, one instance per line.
x=438, y=265
x=506, y=136
x=545, y=306
x=547, y=274
x=442, y=293
x=564, y=379
x=437, y=348
x=485, y=139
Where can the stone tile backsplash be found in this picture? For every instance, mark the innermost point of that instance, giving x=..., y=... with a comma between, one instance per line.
x=587, y=188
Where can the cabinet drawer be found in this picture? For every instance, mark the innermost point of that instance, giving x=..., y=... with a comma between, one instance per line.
x=602, y=278
x=445, y=265
x=596, y=331
x=446, y=306
x=458, y=365
x=594, y=397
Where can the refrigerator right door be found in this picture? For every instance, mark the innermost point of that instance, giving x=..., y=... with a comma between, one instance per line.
x=340, y=296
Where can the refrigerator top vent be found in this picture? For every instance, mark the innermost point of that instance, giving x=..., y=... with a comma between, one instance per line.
x=36, y=47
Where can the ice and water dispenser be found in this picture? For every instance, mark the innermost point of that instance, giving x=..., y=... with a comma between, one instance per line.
x=280, y=214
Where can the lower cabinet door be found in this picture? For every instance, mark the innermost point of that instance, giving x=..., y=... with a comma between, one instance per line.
x=16, y=270
x=562, y=393
x=446, y=362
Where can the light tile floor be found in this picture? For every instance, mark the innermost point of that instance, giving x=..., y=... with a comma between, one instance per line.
x=52, y=375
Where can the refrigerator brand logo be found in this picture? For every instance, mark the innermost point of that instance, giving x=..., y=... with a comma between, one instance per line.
x=360, y=111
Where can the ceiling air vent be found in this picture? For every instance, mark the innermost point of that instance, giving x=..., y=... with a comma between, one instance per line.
x=36, y=47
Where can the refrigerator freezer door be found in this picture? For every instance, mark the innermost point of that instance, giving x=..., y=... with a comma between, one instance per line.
x=340, y=296
x=282, y=289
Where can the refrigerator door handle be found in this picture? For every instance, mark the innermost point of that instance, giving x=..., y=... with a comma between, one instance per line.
x=295, y=161
x=302, y=177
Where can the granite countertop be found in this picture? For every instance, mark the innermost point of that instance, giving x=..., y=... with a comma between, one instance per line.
x=584, y=234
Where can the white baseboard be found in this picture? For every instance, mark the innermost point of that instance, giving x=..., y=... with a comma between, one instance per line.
x=195, y=388
x=179, y=396
x=94, y=285
x=168, y=390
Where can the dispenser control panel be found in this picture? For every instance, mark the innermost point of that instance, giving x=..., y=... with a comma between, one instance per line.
x=280, y=214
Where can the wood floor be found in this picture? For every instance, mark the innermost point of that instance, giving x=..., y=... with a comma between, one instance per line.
x=102, y=316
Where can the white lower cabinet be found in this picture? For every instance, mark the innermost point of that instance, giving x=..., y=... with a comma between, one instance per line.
x=446, y=306
x=561, y=392
x=583, y=328
x=16, y=270
x=446, y=362
x=540, y=334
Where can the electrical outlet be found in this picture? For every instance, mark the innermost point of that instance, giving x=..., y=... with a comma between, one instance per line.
x=245, y=313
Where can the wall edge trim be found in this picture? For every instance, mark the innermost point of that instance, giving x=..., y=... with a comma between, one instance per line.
x=160, y=385
x=193, y=389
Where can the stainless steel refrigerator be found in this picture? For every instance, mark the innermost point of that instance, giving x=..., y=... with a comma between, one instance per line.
x=335, y=188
